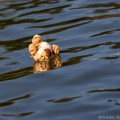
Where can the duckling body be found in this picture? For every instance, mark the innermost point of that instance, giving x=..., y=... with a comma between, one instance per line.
x=43, y=46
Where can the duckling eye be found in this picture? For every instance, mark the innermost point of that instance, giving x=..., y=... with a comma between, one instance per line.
x=42, y=56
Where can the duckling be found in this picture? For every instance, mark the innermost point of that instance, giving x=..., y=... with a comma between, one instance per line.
x=55, y=49
x=32, y=49
x=41, y=50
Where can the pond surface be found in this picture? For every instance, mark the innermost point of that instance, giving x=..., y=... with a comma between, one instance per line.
x=86, y=86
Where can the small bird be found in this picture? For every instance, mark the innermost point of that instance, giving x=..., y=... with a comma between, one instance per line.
x=41, y=50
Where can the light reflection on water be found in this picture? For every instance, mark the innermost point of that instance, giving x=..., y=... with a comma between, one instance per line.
x=86, y=85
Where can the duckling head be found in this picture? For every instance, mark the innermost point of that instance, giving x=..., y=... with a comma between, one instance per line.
x=44, y=54
x=32, y=49
x=36, y=40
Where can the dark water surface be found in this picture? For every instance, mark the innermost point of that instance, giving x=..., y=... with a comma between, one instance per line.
x=87, y=86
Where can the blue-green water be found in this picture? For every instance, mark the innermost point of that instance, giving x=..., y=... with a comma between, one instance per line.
x=87, y=86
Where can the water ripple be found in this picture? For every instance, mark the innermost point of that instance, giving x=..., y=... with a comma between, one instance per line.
x=87, y=84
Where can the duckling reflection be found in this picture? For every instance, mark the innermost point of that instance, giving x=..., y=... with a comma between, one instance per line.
x=57, y=61
x=40, y=66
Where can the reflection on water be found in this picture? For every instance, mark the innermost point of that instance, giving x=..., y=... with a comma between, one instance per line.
x=40, y=66
x=12, y=101
x=16, y=74
x=17, y=115
x=67, y=99
x=88, y=34
x=106, y=90
x=116, y=102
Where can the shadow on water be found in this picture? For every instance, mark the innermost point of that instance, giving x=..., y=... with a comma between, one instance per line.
x=88, y=35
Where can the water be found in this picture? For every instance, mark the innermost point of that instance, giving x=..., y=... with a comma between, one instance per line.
x=86, y=86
